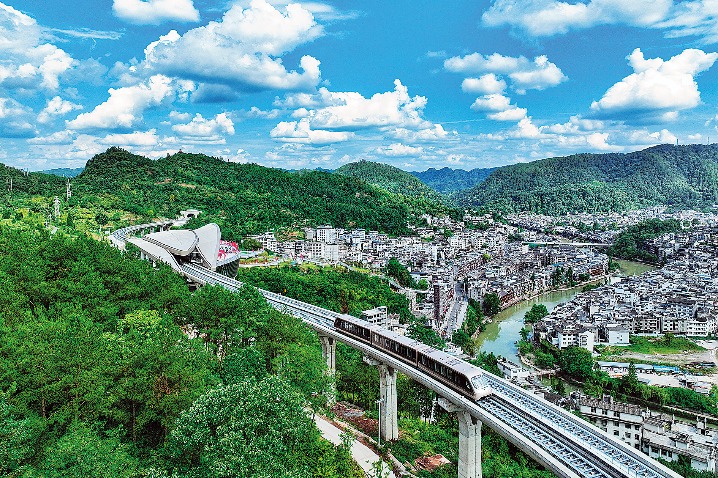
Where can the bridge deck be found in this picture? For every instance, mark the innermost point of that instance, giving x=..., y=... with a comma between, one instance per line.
x=559, y=440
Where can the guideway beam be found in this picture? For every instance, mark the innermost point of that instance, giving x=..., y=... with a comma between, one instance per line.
x=388, y=421
x=469, y=440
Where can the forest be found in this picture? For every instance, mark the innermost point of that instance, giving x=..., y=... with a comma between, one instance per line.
x=631, y=245
x=683, y=176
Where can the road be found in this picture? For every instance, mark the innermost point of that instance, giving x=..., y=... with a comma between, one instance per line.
x=362, y=454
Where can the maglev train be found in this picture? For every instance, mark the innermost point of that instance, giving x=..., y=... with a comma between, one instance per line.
x=461, y=376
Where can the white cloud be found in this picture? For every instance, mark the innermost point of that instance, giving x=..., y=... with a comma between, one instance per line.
x=255, y=112
x=658, y=89
x=352, y=111
x=337, y=114
x=511, y=114
x=546, y=18
x=28, y=61
x=698, y=18
x=301, y=132
x=58, y=137
x=435, y=133
x=398, y=149
x=154, y=12
x=134, y=139
x=56, y=107
x=499, y=108
x=200, y=127
x=484, y=85
x=125, y=106
x=242, y=50
x=524, y=74
x=15, y=120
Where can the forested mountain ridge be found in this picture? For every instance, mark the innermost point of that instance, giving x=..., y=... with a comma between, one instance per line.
x=448, y=181
x=397, y=181
x=681, y=176
x=64, y=172
x=241, y=198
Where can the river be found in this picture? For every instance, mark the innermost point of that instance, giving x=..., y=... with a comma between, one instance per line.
x=501, y=335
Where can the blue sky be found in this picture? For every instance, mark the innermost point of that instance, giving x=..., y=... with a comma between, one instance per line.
x=416, y=84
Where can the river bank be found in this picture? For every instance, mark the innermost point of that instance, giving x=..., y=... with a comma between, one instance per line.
x=501, y=335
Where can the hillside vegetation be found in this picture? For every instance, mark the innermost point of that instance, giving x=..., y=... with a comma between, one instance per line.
x=448, y=181
x=418, y=195
x=681, y=176
x=241, y=198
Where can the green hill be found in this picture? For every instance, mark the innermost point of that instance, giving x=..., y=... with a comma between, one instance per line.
x=448, y=181
x=419, y=196
x=241, y=198
x=681, y=176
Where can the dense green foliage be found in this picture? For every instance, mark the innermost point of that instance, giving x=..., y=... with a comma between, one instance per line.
x=578, y=363
x=683, y=176
x=630, y=243
x=447, y=180
x=417, y=195
x=97, y=377
x=335, y=289
x=536, y=313
x=398, y=271
x=491, y=304
x=241, y=198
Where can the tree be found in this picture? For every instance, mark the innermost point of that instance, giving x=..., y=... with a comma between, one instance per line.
x=246, y=429
x=492, y=304
x=577, y=362
x=101, y=219
x=537, y=312
x=396, y=269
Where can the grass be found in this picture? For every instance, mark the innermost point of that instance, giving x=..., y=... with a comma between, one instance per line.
x=666, y=345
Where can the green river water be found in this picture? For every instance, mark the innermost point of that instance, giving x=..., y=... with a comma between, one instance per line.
x=501, y=335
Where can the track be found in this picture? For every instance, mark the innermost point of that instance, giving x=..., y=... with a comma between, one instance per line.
x=551, y=440
x=567, y=438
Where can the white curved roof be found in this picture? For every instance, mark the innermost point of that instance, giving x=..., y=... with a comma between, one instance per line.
x=178, y=242
x=155, y=251
x=208, y=244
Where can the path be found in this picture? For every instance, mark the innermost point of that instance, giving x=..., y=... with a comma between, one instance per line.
x=362, y=454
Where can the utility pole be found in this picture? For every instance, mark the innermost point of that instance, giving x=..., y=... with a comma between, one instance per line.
x=69, y=191
x=57, y=207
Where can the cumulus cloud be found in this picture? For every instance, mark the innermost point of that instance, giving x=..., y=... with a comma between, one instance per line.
x=125, y=106
x=56, y=107
x=211, y=129
x=15, y=120
x=523, y=73
x=352, y=111
x=242, y=50
x=28, y=61
x=499, y=108
x=154, y=12
x=394, y=113
x=658, y=89
x=484, y=85
x=398, y=149
x=134, y=139
x=541, y=18
x=301, y=132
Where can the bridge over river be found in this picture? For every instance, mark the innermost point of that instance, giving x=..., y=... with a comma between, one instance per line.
x=560, y=441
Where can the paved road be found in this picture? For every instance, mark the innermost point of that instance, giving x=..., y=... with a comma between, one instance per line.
x=361, y=453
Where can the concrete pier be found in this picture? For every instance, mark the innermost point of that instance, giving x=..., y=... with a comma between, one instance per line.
x=469, y=440
x=388, y=421
x=329, y=353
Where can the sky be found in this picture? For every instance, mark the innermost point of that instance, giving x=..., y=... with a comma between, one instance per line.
x=412, y=83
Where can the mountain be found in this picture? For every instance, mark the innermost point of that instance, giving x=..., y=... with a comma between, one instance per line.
x=419, y=196
x=683, y=176
x=447, y=180
x=30, y=184
x=241, y=198
x=63, y=172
